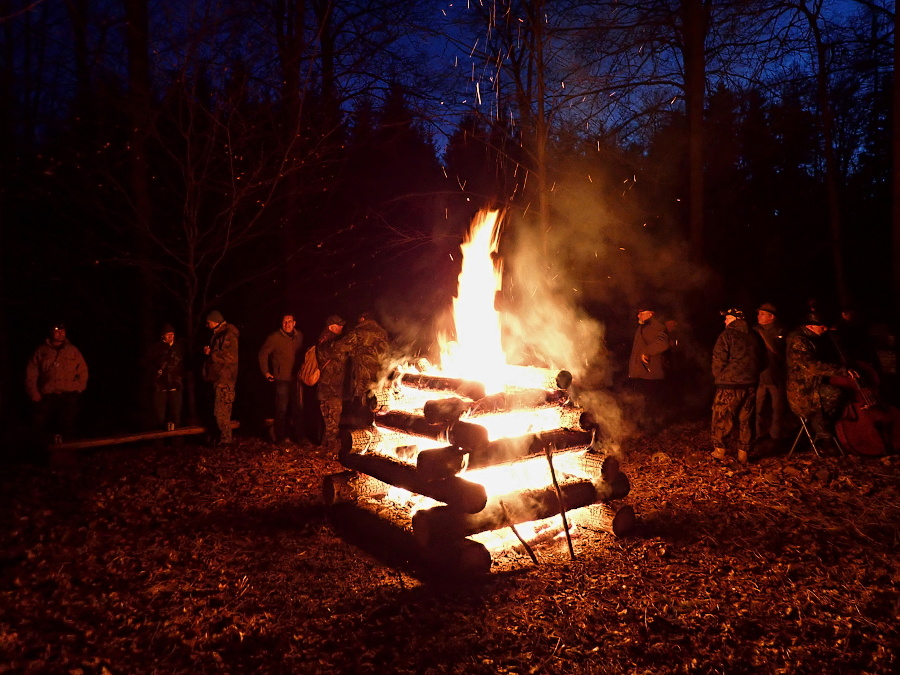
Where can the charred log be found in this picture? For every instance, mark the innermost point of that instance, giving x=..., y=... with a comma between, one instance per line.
x=616, y=520
x=509, y=449
x=440, y=522
x=348, y=486
x=462, y=494
x=438, y=463
x=468, y=388
x=463, y=557
x=449, y=410
x=463, y=434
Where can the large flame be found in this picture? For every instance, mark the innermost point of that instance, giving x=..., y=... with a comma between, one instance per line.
x=477, y=351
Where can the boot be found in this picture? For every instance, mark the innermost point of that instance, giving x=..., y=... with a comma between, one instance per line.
x=742, y=456
x=720, y=454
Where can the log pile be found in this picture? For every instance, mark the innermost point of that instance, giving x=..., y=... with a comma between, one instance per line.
x=442, y=446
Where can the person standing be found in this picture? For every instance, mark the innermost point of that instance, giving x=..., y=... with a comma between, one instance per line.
x=771, y=397
x=646, y=367
x=220, y=369
x=332, y=374
x=55, y=377
x=810, y=394
x=166, y=361
x=736, y=363
x=280, y=358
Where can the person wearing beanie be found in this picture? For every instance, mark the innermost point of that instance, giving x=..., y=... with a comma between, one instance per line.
x=165, y=360
x=771, y=396
x=280, y=358
x=55, y=377
x=221, y=369
x=737, y=360
x=330, y=388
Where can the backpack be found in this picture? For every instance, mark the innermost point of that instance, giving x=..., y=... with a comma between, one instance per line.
x=309, y=371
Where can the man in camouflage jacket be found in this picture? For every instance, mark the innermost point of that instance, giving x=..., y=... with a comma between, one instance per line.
x=809, y=391
x=221, y=369
x=736, y=363
x=166, y=362
x=330, y=388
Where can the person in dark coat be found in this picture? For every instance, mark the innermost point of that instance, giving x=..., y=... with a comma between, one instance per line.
x=810, y=393
x=165, y=360
x=280, y=358
x=736, y=364
x=221, y=370
x=771, y=394
x=646, y=367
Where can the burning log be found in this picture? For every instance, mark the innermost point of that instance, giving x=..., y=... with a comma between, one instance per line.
x=449, y=410
x=509, y=449
x=463, y=434
x=537, y=378
x=468, y=388
x=462, y=494
x=444, y=522
x=438, y=463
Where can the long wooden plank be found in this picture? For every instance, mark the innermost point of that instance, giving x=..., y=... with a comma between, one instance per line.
x=130, y=438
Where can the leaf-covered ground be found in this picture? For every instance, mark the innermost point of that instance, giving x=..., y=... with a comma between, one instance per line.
x=177, y=559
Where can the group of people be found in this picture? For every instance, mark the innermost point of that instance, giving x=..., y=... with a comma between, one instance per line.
x=348, y=362
x=767, y=382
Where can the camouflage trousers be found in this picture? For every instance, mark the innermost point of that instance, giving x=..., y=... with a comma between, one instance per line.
x=223, y=399
x=732, y=406
x=331, y=415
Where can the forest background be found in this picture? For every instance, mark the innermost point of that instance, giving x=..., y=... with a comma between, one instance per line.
x=162, y=159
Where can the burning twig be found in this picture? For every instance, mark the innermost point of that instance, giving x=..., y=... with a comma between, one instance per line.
x=562, y=506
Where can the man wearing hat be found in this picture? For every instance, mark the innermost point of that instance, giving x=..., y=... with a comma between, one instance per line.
x=221, y=369
x=280, y=359
x=166, y=362
x=646, y=367
x=55, y=377
x=736, y=362
x=810, y=395
x=332, y=369
x=771, y=398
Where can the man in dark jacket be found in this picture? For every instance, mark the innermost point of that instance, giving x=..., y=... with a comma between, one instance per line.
x=280, y=359
x=771, y=396
x=55, y=377
x=646, y=367
x=810, y=393
x=221, y=370
x=736, y=363
x=166, y=362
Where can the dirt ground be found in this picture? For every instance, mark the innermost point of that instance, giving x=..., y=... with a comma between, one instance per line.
x=162, y=558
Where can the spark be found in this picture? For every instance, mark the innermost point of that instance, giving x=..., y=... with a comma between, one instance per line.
x=590, y=179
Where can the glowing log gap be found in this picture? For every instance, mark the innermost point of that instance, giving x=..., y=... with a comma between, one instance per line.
x=449, y=410
x=462, y=494
x=444, y=522
x=464, y=434
x=468, y=388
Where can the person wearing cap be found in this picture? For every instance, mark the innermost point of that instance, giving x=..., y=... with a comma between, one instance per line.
x=55, y=377
x=332, y=375
x=165, y=359
x=771, y=397
x=280, y=358
x=810, y=395
x=736, y=363
x=646, y=366
x=221, y=369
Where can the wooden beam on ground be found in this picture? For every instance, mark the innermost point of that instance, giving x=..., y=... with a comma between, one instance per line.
x=131, y=438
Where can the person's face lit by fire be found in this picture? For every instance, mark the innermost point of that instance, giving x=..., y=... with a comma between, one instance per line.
x=729, y=319
x=58, y=335
x=818, y=330
x=288, y=323
x=168, y=337
x=335, y=328
x=764, y=318
x=212, y=325
x=643, y=315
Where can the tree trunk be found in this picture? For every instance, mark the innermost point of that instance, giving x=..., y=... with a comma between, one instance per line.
x=895, y=182
x=695, y=17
